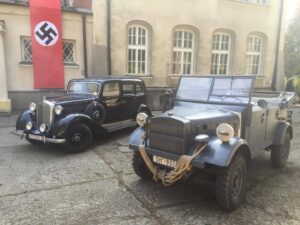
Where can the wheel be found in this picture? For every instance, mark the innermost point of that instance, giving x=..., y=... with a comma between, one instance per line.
x=280, y=153
x=140, y=167
x=79, y=138
x=231, y=184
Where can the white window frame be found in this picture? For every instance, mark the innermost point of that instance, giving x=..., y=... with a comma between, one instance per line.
x=136, y=47
x=259, y=2
x=220, y=52
x=183, y=50
x=73, y=42
x=25, y=38
x=252, y=53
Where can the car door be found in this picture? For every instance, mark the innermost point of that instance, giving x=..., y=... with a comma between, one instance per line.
x=129, y=99
x=111, y=99
x=258, y=139
x=140, y=95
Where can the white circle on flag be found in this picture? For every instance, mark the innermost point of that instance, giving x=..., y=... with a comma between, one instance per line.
x=46, y=33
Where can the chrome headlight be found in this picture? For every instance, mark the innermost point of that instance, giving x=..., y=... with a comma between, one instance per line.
x=32, y=107
x=142, y=119
x=58, y=109
x=43, y=128
x=225, y=132
x=28, y=126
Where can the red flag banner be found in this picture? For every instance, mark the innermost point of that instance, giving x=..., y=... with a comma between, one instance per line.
x=46, y=38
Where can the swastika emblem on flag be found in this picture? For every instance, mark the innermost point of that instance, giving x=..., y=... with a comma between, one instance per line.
x=46, y=33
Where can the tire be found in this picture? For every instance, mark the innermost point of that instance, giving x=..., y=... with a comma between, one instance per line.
x=139, y=166
x=79, y=138
x=231, y=184
x=280, y=153
x=97, y=113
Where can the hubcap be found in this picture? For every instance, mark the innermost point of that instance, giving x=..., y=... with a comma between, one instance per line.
x=237, y=183
x=76, y=138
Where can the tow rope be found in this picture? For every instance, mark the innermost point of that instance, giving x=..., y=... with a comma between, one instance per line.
x=183, y=165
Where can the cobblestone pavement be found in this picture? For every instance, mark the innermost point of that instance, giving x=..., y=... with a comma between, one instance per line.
x=47, y=185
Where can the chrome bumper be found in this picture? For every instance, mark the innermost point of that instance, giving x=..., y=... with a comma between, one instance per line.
x=39, y=138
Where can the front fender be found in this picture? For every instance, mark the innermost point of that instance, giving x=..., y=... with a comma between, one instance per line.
x=282, y=128
x=135, y=139
x=61, y=126
x=220, y=153
x=24, y=118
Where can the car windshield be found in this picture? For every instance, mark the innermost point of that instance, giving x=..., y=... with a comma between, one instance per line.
x=216, y=89
x=90, y=88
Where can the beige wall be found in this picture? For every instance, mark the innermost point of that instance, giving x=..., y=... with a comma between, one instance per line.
x=20, y=77
x=206, y=17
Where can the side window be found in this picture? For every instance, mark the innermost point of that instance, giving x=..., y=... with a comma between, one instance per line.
x=139, y=89
x=111, y=90
x=128, y=89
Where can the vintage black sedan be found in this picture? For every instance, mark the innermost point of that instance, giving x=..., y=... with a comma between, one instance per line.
x=216, y=126
x=90, y=107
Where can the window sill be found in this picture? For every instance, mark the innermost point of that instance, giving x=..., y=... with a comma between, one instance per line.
x=71, y=65
x=252, y=3
x=142, y=76
x=25, y=64
x=66, y=65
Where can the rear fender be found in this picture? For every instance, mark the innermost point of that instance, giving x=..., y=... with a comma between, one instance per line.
x=24, y=118
x=220, y=153
x=282, y=128
x=61, y=127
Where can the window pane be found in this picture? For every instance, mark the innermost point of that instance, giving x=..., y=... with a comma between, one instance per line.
x=111, y=90
x=128, y=88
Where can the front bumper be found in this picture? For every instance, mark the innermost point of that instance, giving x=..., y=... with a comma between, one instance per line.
x=40, y=138
x=195, y=162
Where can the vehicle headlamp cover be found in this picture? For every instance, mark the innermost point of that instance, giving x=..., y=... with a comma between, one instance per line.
x=32, y=107
x=58, y=109
x=225, y=132
x=43, y=127
x=28, y=126
x=142, y=119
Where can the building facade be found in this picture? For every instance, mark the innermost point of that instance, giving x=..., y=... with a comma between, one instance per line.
x=160, y=40
x=17, y=50
x=152, y=39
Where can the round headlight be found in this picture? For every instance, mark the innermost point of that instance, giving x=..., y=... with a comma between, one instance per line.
x=142, y=119
x=225, y=132
x=43, y=128
x=28, y=126
x=32, y=107
x=58, y=110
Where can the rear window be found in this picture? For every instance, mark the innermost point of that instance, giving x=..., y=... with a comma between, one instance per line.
x=128, y=89
x=139, y=89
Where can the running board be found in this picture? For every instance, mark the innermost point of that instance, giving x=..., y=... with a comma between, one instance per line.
x=110, y=127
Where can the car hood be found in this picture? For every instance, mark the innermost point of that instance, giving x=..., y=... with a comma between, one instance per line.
x=62, y=100
x=201, y=113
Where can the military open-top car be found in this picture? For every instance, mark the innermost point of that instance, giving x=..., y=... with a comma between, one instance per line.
x=216, y=126
x=90, y=107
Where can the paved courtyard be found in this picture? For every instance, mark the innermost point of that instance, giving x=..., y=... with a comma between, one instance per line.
x=47, y=185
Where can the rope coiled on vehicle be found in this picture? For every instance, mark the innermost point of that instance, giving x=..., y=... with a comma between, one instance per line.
x=183, y=166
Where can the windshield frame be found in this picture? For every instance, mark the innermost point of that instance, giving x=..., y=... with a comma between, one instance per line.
x=214, y=77
x=89, y=82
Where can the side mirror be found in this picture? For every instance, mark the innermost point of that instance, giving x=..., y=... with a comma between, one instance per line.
x=202, y=138
x=262, y=103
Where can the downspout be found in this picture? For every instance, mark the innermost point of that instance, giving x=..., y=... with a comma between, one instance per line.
x=274, y=80
x=85, y=61
x=108, y=37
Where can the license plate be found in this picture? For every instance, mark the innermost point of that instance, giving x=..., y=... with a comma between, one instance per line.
x=35, y=137
x=164, y=161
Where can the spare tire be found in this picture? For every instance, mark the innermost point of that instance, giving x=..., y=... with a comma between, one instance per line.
x=96, y=112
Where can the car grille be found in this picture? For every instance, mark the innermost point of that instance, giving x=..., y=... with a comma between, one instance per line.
x=169, y=134
x=44, y=113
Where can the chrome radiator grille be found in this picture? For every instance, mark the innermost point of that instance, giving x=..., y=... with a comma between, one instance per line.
x=170, y=135
x=44, y=113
